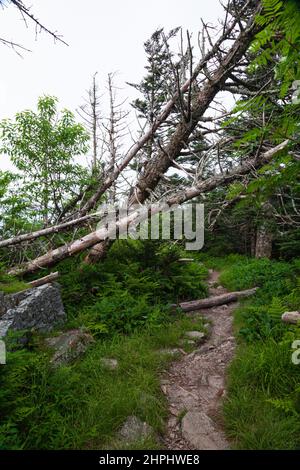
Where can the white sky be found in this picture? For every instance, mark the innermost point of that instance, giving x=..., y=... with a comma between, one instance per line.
x=103, y=36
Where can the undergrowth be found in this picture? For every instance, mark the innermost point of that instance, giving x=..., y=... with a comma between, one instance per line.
x=124, y=302
x=262, y=409
x=132, y=287
x=82, y=405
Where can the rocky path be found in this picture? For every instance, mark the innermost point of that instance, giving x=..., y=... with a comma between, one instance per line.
x=195, y=385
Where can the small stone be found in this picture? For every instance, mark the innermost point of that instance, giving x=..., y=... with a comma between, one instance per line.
x=109, y=363
x=195, y=335
x=291, y=317
x=134, y=429
x=170, y=352
x=184, y=342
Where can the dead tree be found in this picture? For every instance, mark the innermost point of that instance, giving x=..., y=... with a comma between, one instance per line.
x=214, y=70
x=91, y=115
x=26, y=14
x=93, y=238
x=114, y=130
x=201, y=67
x=196, y=107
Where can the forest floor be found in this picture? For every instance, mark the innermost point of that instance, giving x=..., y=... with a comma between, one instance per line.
x=195, y=385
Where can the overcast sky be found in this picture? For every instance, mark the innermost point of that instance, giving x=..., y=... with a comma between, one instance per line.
x=103, y=36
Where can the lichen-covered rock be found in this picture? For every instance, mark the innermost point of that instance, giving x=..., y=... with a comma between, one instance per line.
x=69, y=346
x=109, y=363
x=40, y=309
x=8, y=301
x=134, y=429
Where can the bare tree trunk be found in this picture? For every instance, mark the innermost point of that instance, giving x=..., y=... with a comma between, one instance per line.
x=112, y=139
x=93, y=238
x=95, y=115
x=264, y=235
x=90, y=113
x=44, y=280
x=158, y=166
x=159, y=120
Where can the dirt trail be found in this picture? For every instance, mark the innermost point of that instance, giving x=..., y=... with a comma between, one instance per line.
x=195, y=385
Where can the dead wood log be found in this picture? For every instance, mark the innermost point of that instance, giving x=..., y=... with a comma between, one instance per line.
x=28, y=237
x=215, y=301
x=291, y=317
x=44, y=280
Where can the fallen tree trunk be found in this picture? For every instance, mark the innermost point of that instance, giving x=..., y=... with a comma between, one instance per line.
x=44, y=280
x=28, y=237
x=215, y=301
x=161, y=163
x=93, y=238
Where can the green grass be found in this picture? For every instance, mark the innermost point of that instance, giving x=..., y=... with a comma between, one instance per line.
x=261, y=411
x=13, y=287
x=83, y=405
x=262, y=408
x=9, y=284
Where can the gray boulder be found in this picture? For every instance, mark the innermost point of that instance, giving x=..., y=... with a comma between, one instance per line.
x=134, y=429
x=40, y=309
x=68, y=346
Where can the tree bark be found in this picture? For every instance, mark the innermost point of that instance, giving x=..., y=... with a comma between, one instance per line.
x=264, y=235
